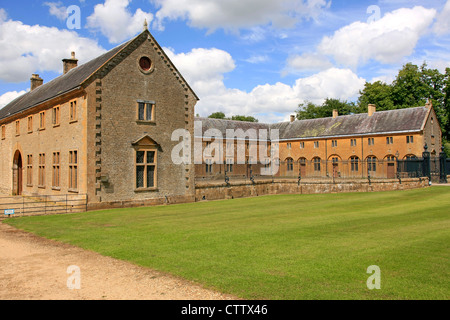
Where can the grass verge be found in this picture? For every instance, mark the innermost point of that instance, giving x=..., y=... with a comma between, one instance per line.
x=280, y=247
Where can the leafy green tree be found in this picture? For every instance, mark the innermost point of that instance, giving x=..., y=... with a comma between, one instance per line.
x=412, y=87
x=244, y=118
x=310, y=110
x=378, y=93
x=408, y=88
x=217, y=115
x=446, y=104
x=221, y=115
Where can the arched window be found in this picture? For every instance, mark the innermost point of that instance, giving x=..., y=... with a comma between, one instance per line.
x=354, y=163
x=316, y=161
x=390, y=158
x=410, y=157
x=302, y=161
x=372, y=163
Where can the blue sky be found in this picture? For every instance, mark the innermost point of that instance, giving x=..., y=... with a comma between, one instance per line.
x=255, y=57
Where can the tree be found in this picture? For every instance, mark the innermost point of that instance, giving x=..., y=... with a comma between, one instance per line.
x=221, y=115
x=378, y=93
x=446, y=104
x=408, y=88
x=412, y=87
x=217, y=115
x=310, y=110
x=244, y=118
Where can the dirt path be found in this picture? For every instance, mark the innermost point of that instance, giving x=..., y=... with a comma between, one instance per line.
x=34, y=268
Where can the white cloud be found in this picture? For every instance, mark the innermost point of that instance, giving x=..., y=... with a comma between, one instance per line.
x=236, y=14
x=204, y=70
x=333, y=83
x=57, y=9
x=9, y=96
x=114, y=20
x=202, y=66
x=386, y=40
x=308, y=62
x=257, y=59
x=37, y=48
x=442, y=25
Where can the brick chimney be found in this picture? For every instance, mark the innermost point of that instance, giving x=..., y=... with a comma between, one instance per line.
x=36, y=81
x=292, y=118
x=69, y=64
x=371, y=109
x=335, y=113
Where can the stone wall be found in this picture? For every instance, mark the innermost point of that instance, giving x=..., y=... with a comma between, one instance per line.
x=140, y=203
x=216, y=191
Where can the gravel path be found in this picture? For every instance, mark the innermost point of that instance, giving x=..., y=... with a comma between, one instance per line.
x=34, y=268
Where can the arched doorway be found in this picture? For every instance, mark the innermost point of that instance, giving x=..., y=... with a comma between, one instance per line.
x=17, y=174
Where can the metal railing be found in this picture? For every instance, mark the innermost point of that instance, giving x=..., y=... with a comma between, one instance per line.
x=433, y=167
x=22, y=206
x=305, y=169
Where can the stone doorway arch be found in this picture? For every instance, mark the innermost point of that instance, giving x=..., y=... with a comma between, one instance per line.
x=17, y=174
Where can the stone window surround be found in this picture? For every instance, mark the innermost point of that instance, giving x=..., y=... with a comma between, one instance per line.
x=153, y=114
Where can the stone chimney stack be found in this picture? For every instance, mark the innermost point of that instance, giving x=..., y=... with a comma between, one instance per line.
x=292, y=118
x=36, y=81
x=335, y=113
x=371, y=109
x=69, y=64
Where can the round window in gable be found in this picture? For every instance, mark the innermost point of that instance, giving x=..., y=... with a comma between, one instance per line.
x=145, y=64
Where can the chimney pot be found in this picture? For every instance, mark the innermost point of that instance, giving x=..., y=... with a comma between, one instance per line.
x=36, y=81
x=335, y=113
x=371, y=109
x=292, y=118
x=69, y=64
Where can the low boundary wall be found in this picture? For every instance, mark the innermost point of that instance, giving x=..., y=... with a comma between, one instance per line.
x=216, y=191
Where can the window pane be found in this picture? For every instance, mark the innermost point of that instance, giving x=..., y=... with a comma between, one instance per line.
x=140, y=156
x=75, y=178
x=140, y=176
x=149, y=112
x=150, y=156
x=141, y=111
x=150, y=176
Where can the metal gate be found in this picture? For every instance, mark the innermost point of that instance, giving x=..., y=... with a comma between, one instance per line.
x=435, y=168
x=22, y=206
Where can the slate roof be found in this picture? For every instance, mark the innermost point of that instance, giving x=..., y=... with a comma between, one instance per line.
x=391, y=121
x=223, y=125
x=60, y=85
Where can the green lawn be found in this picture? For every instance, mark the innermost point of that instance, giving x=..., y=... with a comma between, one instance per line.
x=280, y=247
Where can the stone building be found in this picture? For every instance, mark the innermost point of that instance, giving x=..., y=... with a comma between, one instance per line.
x=104, y=129
x=340, y=146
